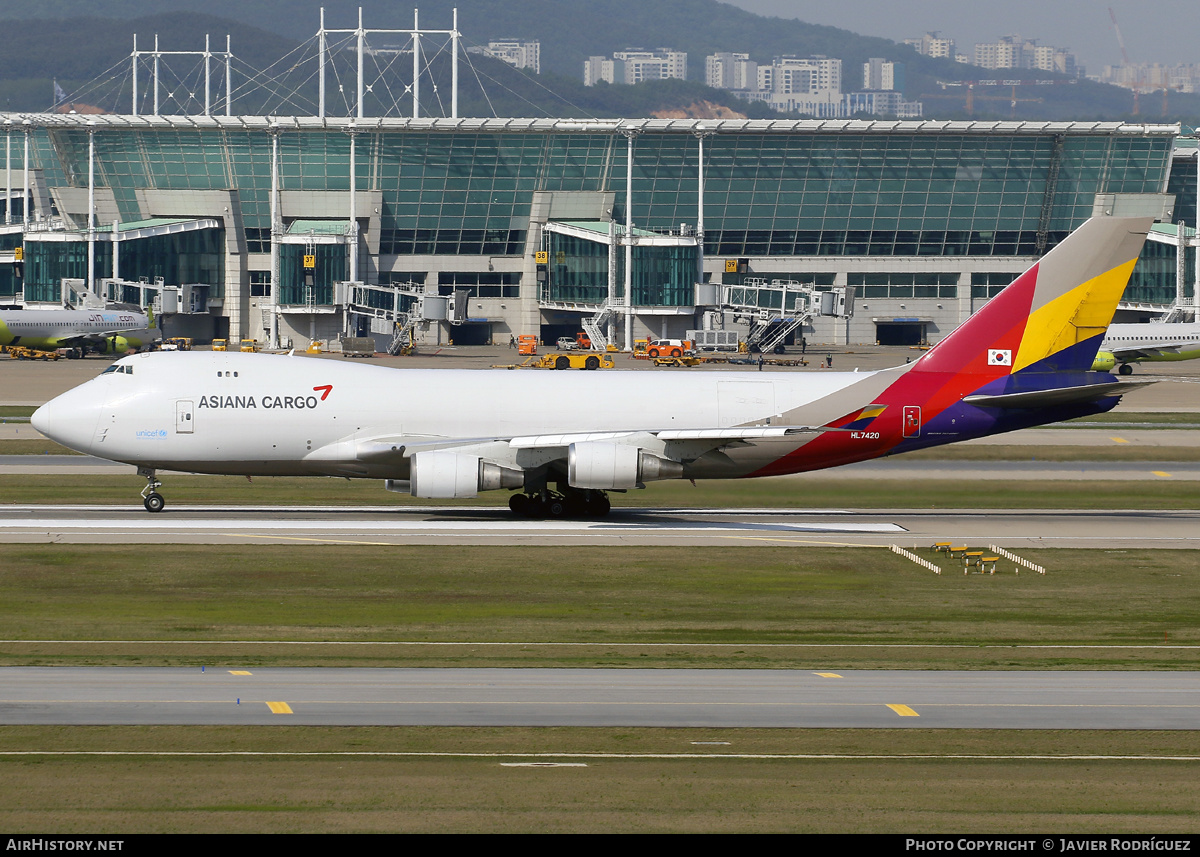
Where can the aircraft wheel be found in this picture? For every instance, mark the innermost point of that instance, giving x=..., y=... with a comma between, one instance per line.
x=556, y=507
x=154, y=502
x=1125, y=369
x=562, y=363
x=592, y=363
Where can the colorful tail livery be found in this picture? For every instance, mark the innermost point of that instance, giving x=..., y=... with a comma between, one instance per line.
x=1024, y=359
x=561, y=440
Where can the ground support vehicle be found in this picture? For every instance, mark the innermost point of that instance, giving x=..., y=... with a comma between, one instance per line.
x=669, y=348
x=20, y=352
x=574, y=360
x=358, y=346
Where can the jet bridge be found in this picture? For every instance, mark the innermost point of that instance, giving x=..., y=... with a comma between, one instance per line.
x=775, y=309
x=399, y=309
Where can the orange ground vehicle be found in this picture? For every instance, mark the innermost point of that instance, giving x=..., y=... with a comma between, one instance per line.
x=527, y=344
x=668, y=348
x=582, y=341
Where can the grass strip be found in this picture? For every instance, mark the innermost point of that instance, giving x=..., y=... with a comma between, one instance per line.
x=33, y=447
x=1007, y=794
x=724, y=607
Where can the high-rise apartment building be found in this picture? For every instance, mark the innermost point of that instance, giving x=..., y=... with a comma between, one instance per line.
x=652, y=65
x=517, y=53
x=730, y=71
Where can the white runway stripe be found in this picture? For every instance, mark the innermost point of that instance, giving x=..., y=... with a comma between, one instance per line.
x=156, y=524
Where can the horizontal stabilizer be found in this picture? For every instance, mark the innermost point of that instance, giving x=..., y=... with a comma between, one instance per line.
x=1059, y=396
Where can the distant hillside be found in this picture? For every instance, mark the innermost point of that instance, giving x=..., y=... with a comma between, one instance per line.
x=83, y=51
x=569, y=31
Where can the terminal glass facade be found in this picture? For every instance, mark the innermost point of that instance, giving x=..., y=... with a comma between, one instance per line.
x=331, y=261
x=766, y=194
x=1153, y=277
x=663, y=275
x=459, y=198
x=186, y=257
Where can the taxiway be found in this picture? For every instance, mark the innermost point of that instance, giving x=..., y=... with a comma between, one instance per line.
x=601, y=697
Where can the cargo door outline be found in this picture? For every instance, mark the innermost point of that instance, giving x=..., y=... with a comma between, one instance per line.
x=183, y=416
x=912, y=420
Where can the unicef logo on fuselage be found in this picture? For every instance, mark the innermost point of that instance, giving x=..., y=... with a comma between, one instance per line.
x=151, y=434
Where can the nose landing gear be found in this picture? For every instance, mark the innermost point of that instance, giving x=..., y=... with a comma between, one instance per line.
x=151, y=499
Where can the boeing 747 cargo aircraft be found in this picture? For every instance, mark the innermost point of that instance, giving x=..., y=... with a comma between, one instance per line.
x=560, y=441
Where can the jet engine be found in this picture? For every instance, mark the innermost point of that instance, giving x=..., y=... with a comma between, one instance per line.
x=606, y=466
x=1104, y=362
x=114, y=345
x=450, y=475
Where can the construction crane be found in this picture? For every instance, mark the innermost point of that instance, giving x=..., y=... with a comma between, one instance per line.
x=972, y=97
x=1137, y=73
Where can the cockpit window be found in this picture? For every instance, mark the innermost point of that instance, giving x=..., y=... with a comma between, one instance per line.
x=124, y=370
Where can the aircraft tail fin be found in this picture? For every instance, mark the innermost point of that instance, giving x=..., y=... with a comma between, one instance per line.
x=1053, y=317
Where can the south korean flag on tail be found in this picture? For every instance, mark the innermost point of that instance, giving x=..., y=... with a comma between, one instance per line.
x=999, y=357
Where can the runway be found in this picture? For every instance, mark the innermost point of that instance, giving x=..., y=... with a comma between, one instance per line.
x=600, y=697
x=473, y=525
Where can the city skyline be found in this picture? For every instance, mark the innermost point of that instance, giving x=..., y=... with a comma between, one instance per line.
x=1082, y=26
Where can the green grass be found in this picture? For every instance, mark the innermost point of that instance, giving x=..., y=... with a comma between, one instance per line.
x=16, y=411
x=460, y=793
x=722, y=607
x=1149, y=418
x=34, y=446
x=1019, y=454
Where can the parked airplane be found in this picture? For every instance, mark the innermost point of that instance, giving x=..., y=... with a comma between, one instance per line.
x=105, y=331
x=1150, y=342
x=1023, y=360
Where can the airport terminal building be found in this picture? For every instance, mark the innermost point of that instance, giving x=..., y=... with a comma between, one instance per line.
x=302, y=228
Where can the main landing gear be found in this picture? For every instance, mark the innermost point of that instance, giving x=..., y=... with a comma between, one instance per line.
x=551, y=504
x=151, y=499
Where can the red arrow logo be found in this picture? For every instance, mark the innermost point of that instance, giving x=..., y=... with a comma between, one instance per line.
x=326, y=390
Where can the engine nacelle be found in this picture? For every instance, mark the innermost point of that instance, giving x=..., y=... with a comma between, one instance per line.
x=115, y=345
x=1105, y=361
x=606, y=466
x=452, y=475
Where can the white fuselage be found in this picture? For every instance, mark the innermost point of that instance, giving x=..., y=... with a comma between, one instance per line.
x=280, y=415
x=1182, y=338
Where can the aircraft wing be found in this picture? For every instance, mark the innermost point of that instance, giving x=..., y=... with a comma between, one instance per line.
x=1144, y=352
x=383, y=450
x=720, y=435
